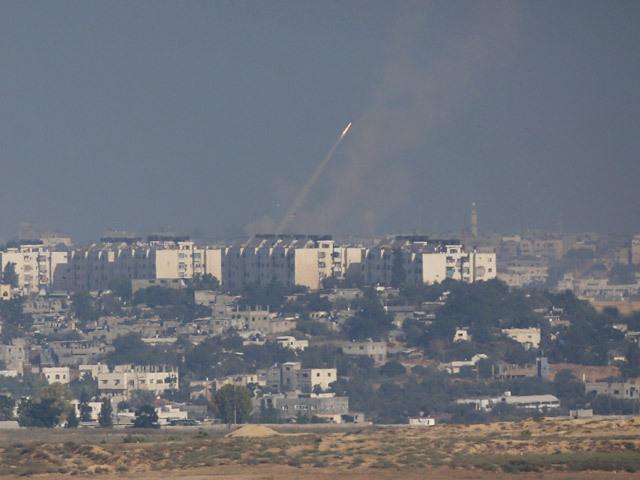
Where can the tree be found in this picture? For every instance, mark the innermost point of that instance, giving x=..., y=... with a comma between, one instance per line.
x=146, y=417
x=233, y=404
x=392, y=369
x=15, y=321
x=204, y=282
x=44, y=412
x=72, y=419
x=105, y=419
x=82, y=305
x=7, y=406
x=140, y=398
x=10, y=276
x=370, y=320
x=85, y=411
x=121, y=286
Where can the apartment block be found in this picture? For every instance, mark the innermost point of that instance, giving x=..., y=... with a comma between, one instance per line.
x=124, y=379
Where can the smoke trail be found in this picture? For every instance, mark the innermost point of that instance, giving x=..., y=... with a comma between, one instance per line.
x=425, y=81
x=289, y=216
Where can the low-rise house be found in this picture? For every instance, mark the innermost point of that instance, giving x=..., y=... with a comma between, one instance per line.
x=422, y=421
x=79, y=352
x=375, y=350
x=57, y=375
x=526, y=402
x=291, y=343
x=462, y=335
x=168, y=414
x=629, y=390
x=238, y=380
x=454, y=367
x=94, y=409
x=289, y=407
x=529, y=338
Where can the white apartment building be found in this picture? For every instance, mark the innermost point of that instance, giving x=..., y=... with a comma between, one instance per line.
x=289, y=259
x=35, y=266
x=427, y=261
x=304, y=260
x=451, y=261
x=290, y=376
x=93, y=268
x=124, y=379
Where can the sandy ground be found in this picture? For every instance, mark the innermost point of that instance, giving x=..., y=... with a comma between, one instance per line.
x=290, y=473
x=258, y=452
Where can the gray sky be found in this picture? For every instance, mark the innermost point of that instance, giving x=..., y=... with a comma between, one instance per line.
x=213, y=115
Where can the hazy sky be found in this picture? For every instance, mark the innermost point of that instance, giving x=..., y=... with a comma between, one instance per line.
x=142, y=115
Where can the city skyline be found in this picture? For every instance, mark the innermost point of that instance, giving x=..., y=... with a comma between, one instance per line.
x=212, y=117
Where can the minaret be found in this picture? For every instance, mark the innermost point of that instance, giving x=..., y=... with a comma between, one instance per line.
x=474, y=220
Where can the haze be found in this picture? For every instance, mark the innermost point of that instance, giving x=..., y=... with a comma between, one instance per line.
x=211, y=116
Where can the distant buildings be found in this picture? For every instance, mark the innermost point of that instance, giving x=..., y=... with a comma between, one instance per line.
x=305, y=260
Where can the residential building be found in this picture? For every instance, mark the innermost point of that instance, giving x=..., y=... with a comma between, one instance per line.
x=290, y=376
x=629, y=390
x=375, y=350
x=289, y=407
x=528, y=337
x=57, y=375
x=124, y=379
x=291, y=343
x=526, y=402
x=14, y=356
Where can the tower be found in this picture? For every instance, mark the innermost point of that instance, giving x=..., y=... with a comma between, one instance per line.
x=474, y=220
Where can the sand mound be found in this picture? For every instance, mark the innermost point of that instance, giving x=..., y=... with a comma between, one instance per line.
x=253, y=431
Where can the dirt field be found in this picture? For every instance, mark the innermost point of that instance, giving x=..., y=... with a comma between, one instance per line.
x=290, y=473
x=546, y=448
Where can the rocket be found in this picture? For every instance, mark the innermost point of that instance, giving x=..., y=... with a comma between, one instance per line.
x=346, y=130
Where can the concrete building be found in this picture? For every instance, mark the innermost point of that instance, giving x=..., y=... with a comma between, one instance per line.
x=290, y=376
x=238, y=380
x=158, y=258
x=291, y=343
x=35, y=266
x=290, y=259
x=289, y=407
x=421, y=260
x=528, y=337
x=525, y=402
x=57, y=375
x=635, y=250
x=124, y=379
x=375, y=350
x=622, y=390
x=451, y=261
x=14, y=356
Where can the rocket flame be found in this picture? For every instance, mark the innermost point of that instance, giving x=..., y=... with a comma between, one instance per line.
x=346, y=130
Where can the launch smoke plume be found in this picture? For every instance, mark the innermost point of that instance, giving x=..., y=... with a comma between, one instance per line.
x=289, y=216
